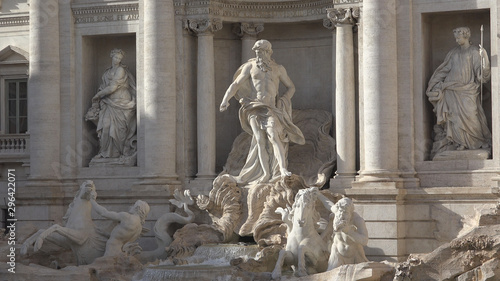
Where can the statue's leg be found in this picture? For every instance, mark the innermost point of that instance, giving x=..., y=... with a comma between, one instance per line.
x=260, y=139
x=30, y=242
x=301, y=257
x=284, y=256
x=74, y=235
x=278, y=148
x=335, y=260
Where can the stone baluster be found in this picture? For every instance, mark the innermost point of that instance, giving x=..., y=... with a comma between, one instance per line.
x=206, y=107
x=345, y=99
x=44, y=104
x=159, y=96
x=248, y=33
x=380, y=92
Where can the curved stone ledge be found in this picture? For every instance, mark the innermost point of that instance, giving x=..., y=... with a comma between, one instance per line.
x=287, y=11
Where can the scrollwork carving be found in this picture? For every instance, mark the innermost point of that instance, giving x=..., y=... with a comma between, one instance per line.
x=204, y=26
x=248, y=28
x=328, y=24
x=340, y=16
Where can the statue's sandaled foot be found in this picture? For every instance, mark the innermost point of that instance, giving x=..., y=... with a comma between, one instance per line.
x=461, y=147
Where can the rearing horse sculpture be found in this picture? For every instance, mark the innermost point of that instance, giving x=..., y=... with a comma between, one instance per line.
x=305, y=247
x=79, y=231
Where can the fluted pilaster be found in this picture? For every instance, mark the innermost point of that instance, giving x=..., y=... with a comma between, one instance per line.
x=345, y=105
x=205, y=29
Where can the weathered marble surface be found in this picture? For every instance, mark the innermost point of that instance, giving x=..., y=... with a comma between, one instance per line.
x=78, y=232
x=162, y=224
x=474, y=253
x=305, y=249
x=129, y=225
x=350, y=234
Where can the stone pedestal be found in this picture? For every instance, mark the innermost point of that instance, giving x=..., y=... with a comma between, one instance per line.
x=474, y=154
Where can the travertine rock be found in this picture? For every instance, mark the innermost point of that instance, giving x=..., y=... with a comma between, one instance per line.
x=473, y=250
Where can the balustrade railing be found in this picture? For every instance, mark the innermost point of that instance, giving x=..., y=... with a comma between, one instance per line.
x=14, y=145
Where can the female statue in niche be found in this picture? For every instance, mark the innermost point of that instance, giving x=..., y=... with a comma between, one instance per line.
x=114, y=112
x=454, y=91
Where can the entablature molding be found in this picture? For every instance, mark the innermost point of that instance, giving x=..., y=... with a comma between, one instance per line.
x=105, y=13
x=16, y=20
x=233, y=11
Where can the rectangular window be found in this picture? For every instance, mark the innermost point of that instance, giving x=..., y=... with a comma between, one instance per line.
x=16, y=106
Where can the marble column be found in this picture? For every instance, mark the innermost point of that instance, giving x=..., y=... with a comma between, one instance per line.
x=380, y=92
x=159, y=96
x=206, y=107
x=345, y=104
x=44, y=98
x=248, y=33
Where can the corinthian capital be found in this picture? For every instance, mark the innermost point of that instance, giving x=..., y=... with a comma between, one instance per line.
x=248, y=28
x=340, y=16
x=204, y=26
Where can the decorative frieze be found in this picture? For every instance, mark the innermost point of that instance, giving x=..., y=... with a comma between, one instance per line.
x=347, y=1
x=14, y=21
x=106, y=13
x=254, y=10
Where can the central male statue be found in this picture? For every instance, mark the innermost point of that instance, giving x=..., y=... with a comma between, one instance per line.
x=265, y=115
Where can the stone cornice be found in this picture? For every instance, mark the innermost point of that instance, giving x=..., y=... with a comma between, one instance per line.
x=14, y=21
x=349, y=2
x=106, y=13
x=228, y=10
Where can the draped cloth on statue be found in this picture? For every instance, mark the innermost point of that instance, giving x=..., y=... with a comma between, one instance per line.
x=117, y=117
x=454, y=92
x=279, y=116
